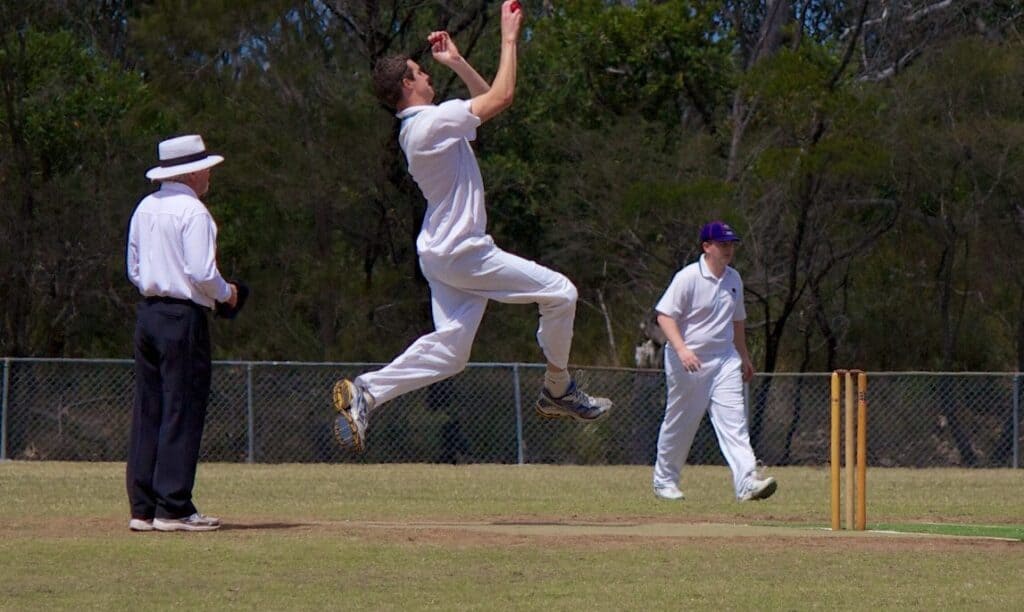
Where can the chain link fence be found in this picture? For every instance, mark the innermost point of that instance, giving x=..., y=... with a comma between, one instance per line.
x=271, y=412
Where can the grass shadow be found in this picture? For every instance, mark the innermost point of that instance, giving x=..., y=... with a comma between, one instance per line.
x=257, y=526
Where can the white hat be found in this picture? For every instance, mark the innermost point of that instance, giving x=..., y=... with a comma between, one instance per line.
x=182, y=155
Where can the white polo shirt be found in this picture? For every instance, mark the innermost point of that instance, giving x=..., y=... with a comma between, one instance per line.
x=705, y=308
x=435, y=140
x=172, y=248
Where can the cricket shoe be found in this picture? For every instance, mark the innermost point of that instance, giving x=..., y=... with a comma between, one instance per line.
x=353, y=407
x=575, y=404
x=759, y=488
x=137, y=524
x=670, y=492
x=194, y=522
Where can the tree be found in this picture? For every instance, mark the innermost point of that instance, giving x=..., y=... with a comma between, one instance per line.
x=961, y=152
x=70, y=121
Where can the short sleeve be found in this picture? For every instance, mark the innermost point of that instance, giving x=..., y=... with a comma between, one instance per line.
x=450, y=120
x=674, y=302
x=741, y=310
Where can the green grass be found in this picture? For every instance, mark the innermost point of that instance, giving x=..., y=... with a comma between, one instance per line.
x=300, y=541
x=1009, y=532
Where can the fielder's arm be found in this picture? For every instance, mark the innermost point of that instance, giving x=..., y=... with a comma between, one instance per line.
x=676, y=343
x=739, y=340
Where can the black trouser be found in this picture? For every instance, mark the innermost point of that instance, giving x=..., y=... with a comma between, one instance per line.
x=172, y=388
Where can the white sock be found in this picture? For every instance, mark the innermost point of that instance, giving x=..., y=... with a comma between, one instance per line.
x=557, y=383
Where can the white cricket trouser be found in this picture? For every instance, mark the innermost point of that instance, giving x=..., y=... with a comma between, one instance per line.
x=460, y=286
x=717, y=386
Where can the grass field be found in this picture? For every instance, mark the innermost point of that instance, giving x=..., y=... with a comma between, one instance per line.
x=487, y=537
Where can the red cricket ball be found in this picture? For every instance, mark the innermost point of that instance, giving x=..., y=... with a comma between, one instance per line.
x=515, y=6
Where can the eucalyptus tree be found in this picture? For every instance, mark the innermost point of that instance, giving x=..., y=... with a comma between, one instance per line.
x=321, y=213
x=72, y=120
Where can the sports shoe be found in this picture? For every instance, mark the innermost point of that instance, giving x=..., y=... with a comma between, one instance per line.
x=575, y=404
x=195, y=522
x=671, y=492
x=759, y=488
x=140, y=524
x=353, y=407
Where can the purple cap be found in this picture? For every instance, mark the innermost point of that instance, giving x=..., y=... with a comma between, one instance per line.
x=718, y=231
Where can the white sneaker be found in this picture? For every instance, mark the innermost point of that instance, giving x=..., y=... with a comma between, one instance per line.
x=668, y=492
x=196, y=522
x=759, y=488
x=140, y=525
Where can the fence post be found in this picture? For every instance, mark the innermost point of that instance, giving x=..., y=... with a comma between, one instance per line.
x=3, y=411
x=250, y=417
x=1016, y=420
x=519, y=413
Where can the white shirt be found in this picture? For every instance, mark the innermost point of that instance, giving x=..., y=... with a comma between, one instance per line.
x=705, y=308
x=172, y=248
x=435, y=140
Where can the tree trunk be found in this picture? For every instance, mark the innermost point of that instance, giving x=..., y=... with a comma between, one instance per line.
x=17, y=308
x=950, y=407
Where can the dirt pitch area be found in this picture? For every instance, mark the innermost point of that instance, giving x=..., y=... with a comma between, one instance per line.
x=513, y=531
x=641, y=532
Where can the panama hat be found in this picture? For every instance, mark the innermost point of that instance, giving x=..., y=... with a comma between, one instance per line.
x=182, y=155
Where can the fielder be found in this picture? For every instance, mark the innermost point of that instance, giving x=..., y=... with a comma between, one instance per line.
x=458, y=258
x=706, y=364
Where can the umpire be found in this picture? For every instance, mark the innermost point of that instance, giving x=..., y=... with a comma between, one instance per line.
x=172, y=243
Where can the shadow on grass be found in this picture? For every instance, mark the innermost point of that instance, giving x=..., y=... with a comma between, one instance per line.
x=560, y=524
x=266, y=526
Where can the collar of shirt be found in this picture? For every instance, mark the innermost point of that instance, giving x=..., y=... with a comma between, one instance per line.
x=408, y=112
x=705, y=270
x=178, y=188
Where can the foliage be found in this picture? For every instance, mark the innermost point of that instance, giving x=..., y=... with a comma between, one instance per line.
x=74, y=125
x=664, y=61
x=960, y=138
x=874, y=186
